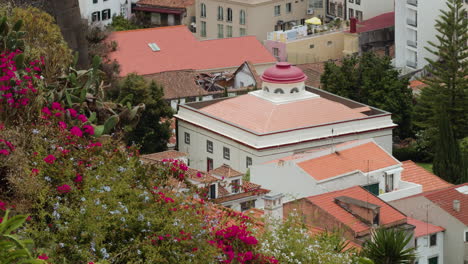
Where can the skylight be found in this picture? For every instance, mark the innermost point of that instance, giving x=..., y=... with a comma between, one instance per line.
x=463, y=189
x=154, y=47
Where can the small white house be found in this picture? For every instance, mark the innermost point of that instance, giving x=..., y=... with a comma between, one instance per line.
x=317, y=171
x=428, y=241
x=100, y=12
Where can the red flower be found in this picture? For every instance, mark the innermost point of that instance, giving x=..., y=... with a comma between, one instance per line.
x=62, y=125
x=50, y=159
x=2, y=206
x=76, y=131
x=43, y=257
x=72, y=112
x=34, y=171
x=63, y=188
x=4, y=152
x=82, y=118
x=78, y=178
x=88, y=129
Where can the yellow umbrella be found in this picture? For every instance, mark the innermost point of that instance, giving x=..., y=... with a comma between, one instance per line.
x=314, y=21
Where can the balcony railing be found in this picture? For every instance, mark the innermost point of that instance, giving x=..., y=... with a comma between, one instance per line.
x=412, y=2
x=411, y=43
x=411, y=64
x=411, y=22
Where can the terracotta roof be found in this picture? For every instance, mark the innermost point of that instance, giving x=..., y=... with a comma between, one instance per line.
x=241, y=195
x=159, y=156
x=313, y=71
x=366, y=157
x=255, y=213
x=417, y=86
x=389, y=216
x=375, y=23
x=423, y=228
x=226, y=171
x=200, y=176
x=445, y=197
x=417, y=174
x=222, y=191
x=180, y=50
x=177, y=84
x=167, y=3
x=262, y=116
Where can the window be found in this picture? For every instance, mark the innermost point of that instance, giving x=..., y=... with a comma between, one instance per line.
x=209, y=164
x=187, y=138
x=212, y=192
x=416, y=243
x=388, y=182
x=433, y=260
x=279, y=91
x=329, y=42
x=220, y=13
x=242, y=17
x=209, y=146
x=351, y=1
x=340, y=10
x=359, y=15
x=106, y=14
x=235, y=186
x=311, y=46
x=433, y=240
x=248, y=162
x=358, y=2
x=95, y=1
x=294, y=90
x=466, y=236
x=242, y=32
x=226, y=153
x=203, y=10
x=288, y=7
x=203, y=29
x=351, y=13
x=220, y=31
x=275, y=52
x=229, y=15
x=247, y=205
x=229, y=31
x=96, y=16
x=316, y=3
x=277, y=10
x=376, y=219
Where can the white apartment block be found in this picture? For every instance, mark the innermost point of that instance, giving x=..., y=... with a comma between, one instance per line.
x=360, y=9
x=414, y=26
x=100, y=12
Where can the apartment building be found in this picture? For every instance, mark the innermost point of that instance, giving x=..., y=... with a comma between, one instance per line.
x=102, y=11
x=360, y=9
x=234, y=18
x=414, y=27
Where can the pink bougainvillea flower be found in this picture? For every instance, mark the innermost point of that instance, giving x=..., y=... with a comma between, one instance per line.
x=34, y=171
x=72, y=112
x=46, y=111
x=56, y=106
x=88, y=129
x=78, y=178
x=63, y=188
x=43, y=257
x=82, y=118
x=2, y=206
x=62, y=125
x=76, y=131
x=4, y=152
x=50, y=159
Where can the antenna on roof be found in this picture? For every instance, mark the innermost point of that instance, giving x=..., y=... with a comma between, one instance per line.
x=333, y=149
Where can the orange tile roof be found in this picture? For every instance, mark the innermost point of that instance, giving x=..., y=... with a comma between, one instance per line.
x=262, y=116
x=389, y=216
x=445, y=197
x=159, y=156
x=423, y=228
x=417, y=174
x=180, y=50
x=366, y=157
x=167, y=3
x=226, y=171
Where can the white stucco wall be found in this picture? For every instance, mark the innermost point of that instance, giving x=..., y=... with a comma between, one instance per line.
x=244, y=78
x=371, y=8
x=87, y=7
x=425, y=251
x=423, y=209
x=427, y=12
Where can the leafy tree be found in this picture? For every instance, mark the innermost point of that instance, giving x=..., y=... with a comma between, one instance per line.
x=389, y=246
x=448, y=83
x=372, y=80
x=448, y=160
x=153, y=130
x=120, y=23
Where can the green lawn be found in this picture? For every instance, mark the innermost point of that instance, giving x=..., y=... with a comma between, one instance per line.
x=427, y=166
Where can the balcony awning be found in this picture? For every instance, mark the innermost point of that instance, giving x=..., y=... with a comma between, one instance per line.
x=159, y=10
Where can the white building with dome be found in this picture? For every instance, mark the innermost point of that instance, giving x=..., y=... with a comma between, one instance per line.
x=284, y=118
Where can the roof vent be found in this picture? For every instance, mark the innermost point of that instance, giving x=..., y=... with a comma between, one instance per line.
x=463, y=189
x=154, y=47
x=456, y=205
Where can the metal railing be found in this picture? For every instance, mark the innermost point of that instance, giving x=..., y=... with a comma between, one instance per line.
x=412, y=2
x=411, y=64
x=411, y=43
x=411, y=22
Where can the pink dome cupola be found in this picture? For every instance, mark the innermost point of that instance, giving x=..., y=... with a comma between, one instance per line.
x=283, y=72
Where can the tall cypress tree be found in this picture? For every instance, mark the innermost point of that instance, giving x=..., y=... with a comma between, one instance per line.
x=447, y=82
x=448, y=161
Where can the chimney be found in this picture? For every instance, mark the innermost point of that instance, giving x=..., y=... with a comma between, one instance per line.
x=456, y=205
x=273, y=206
x=366, y=212
x=353, y=22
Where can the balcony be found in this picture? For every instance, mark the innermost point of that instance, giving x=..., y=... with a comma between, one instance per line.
x=411, y=43
x=411, y=64
x=412, y=2
x=411, y=22
x=406, y=189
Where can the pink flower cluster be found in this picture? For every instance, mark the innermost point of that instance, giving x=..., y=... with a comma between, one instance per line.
x=176, y=167
x=16, y=86
x=7, y=150
x=63, y=189
x=57, y=111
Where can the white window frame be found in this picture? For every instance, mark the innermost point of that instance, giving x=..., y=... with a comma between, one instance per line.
x=187, y=138
x=226, y=153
